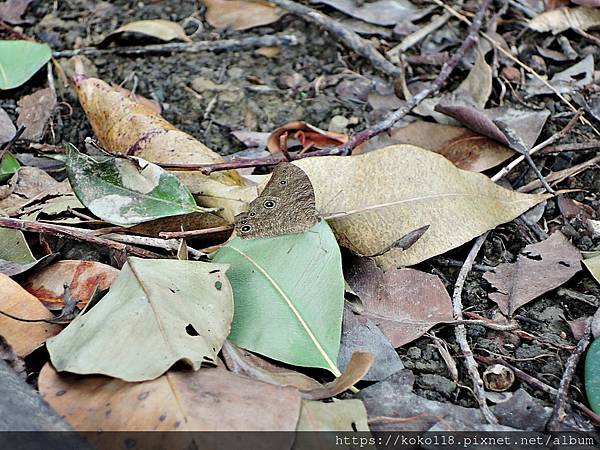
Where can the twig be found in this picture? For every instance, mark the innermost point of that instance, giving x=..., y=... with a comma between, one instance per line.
x=167, y=244
x=364, y=135
x=574, y=147
x=523, y=376
x=461, y=332
x=194, y=233
x=348, y=37
x=555, y=137
x=558, y=413
x=69, y=232
x=186, y=47
x=556, y=177
x=517, y=61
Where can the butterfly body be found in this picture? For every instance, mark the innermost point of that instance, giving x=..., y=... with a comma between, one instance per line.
x=286, y=206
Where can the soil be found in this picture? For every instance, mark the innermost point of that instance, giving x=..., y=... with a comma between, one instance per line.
x=260, y=94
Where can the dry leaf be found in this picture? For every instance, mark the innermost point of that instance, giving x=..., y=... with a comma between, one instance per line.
x=12, y=11
x=241, y=15
x=35, y=111
x=571, y=79
x=306, y=134
x=540, y=268
x=379, y=12
x=559, y=20
x=401, y=188
x=403, y=303
x=339, y=415
x=82, y=277
x=150, y=104
x=207, y=400
x=24, y=337
x=467, y=149
x=124, y=126
x=164, y=30
x=7, y=128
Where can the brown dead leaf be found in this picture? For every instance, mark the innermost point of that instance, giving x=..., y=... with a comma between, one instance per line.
x=24, y=337
x=35, y=110
x=82, y=277
x=559, y=20
x=163, y=30
x=241, y=15
x=12, y=11
x=467, y=149
x=539, y=268
x=571, y=209
x=403, y=303
x=126, y=127
x=578, y=326
x=208, y=400
x=7, y=128
x=306, y=134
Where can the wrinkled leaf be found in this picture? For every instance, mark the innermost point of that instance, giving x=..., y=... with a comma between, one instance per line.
x=592, y=375
x=289, y=296
x=207, y=400
x=401, y=188
x=539, y=268
x=127, y=191
x=35, y=110
x=403, y=303
x=24, y=337
x=559, y=20
x=82, y=277
x=164, y=30
x=180, y=310
x=20, y=60
x=241, y=15
x=8, y=167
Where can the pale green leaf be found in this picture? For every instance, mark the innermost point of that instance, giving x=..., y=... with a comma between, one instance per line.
x=15, y=255
x=156, y=313
x=289, y=296
x=339, y=415
x=592, y=375
x=127, y=191
x=20, y=60
x=8, y=167
x=593, y=265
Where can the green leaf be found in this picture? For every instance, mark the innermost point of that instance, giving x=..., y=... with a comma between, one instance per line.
x=20, y=60
x=592, y=375
x=15, y=255
x=127, y=191
x=593, y=265
x=156, y=313
x=289, y=296
x=8, y=167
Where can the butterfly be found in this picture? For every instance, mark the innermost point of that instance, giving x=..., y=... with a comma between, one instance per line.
x=285, y=206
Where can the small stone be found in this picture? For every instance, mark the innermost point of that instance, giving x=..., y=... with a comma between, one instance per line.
x=338, y=124
x=436, y=383
x=511, y=74
x=414, y=353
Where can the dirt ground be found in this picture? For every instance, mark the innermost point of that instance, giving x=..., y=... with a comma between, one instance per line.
x=259, y=93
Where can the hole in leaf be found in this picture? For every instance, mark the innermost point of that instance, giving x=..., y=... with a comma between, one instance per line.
x=565, y=264
x=218, y=285
x=191, y=330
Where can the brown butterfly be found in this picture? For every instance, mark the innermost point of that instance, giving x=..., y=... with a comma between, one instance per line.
x=285, y=206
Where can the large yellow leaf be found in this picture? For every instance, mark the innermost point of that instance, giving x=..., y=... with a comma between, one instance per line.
x=125, y=126
x=401, y=188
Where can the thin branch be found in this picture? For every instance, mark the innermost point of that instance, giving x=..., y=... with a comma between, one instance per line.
x=74, y=233
x=461, y=332
x=348, y=37
x=194, y=233
x=185, y=47
x=573, y=147
x=558, y=413
x=166, y=244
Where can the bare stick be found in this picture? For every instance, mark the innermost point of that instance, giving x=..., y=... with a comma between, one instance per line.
x=573, y=147
x=555, y=137
x=167, y=244
x=186, y=47
x=69, y=232
x=524, y=376
x=194, y=233
x=348, y=37
x=364, y=135
x=558, y=413
x=461, y=332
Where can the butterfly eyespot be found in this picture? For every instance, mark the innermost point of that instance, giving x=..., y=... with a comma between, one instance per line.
x=283, y=182
x=245, y=228
x=252, y=214
x=269, y=204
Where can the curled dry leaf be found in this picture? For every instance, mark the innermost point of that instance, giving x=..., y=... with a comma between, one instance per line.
x=411, y=188
x=24, y=337
x=35, y=111
x=208, y=400
x=403, y=303
x=241, y=15
x=15, y=255
x=127, y=127
x=562, y=19
x=82, y=277
x=164, y=30
x=467, y=149
x=156, y=313
x=306, y=134
x=539, y=268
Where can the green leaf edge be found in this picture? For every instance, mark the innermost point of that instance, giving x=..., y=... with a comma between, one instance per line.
x=592, y=375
